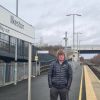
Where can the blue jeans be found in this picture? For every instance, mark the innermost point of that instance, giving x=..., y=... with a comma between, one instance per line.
x=63, y=93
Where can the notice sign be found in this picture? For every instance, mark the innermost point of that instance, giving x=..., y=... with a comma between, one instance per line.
x=43, y=51
x=36, y=58
x=14, y=26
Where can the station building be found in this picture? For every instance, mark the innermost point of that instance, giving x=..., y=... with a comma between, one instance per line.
x=12, y=28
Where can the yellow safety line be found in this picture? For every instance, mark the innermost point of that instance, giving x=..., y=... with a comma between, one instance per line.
x=80, y=93
x=90, y=94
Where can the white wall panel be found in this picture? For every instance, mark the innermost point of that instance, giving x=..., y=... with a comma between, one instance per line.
x=14, y=26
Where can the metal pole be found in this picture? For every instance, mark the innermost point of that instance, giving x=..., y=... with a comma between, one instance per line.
x=66, y=41
x=17, y=8
x=73, y=34
x=79, y=50
x=79, y=47
x=77, y=41
x=65, y=38
x=78, y=44
x=39, y=68
x=29, y=71
x=15, y=81
x=73, y=29
x=36, y=63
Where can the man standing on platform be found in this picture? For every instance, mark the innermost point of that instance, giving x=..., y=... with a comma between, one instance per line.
x=60, y=77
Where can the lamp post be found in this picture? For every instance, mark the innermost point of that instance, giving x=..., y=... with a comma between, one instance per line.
x=79, y=47
x=78, y=40
x=73, y=15
x=17, y=8
x=78, y=43
x=65, y=38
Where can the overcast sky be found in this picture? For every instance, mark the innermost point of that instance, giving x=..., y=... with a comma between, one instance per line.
x=50, y=20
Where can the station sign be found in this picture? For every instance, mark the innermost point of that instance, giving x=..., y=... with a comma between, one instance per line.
x=14, y=26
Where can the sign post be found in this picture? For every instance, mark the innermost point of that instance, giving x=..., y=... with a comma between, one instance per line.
x=29, y=71
x=36, y=59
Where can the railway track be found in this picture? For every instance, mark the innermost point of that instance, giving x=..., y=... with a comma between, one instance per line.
x=95, y=70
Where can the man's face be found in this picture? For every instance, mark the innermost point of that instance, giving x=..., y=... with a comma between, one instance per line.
x=61, y=57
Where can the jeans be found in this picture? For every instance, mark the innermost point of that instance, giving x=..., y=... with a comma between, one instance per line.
x=63, y=93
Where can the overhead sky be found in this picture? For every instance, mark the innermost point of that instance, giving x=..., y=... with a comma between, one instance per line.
x=50, y=20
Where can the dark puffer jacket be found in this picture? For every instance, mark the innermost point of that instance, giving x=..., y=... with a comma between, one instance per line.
x=60, y=75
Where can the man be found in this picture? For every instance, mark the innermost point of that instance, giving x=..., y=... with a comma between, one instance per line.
x=60, y=77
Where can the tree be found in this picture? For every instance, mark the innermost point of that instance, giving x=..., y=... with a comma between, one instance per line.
x=96, y=59
x=82, y=59
x=52, y=49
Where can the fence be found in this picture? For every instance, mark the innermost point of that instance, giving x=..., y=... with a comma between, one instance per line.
x=9, y=74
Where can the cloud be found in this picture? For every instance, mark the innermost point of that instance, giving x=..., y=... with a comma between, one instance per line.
x=48, y=18
x=9, y=4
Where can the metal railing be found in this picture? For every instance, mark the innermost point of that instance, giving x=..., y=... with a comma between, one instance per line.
x=44, y=68
x=7, y=72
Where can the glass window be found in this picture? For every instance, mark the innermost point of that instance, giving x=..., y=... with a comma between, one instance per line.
x=4, y=37
x=12, y=41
